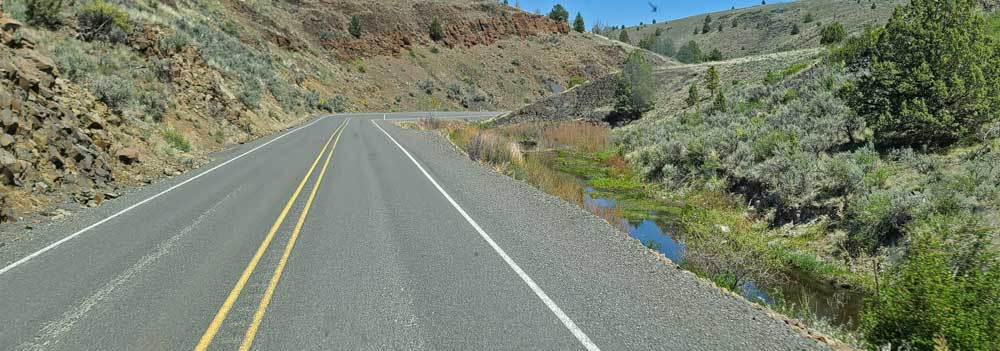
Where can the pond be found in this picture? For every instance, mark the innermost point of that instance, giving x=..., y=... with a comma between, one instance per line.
x=839, y=306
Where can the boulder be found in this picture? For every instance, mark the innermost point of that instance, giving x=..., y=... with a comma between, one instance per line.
x=128, y=155
x=8, y=24
x=6, y=139
x=5, y=100
x=7, y=158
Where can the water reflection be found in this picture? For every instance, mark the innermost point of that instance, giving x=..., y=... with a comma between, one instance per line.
x=646, y=231
x=839, y=306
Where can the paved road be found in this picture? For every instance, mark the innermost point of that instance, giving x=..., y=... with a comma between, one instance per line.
x=350, y=233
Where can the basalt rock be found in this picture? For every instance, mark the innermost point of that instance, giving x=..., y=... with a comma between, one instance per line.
x=128, y=155
x=42, y=140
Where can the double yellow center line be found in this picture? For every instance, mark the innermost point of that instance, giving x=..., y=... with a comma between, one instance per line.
x=213, y=328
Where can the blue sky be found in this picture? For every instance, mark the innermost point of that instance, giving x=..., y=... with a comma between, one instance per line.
x=631, y=12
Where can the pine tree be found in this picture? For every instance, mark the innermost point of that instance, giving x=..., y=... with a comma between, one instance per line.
x=712, y=79
x=559, y=13
x=719, y=104
x=578, y=24
x=355, y=27
x=437, y=33
x=623, y=37
x=689, y=53
x=832, y=33
x=635, y=91
x=693, y=97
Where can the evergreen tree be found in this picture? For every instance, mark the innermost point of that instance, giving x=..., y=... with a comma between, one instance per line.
x=832, y=33
x=714, y=55
x=636, y=88
x=437, y=33
x=931, y=76
x=719, y=104
x=578, y=24
x=663, y=45
x=559, y=13
x=689, y=53
x=693, y=97
x=712, y=79
x=354, y=27
x=623, y=37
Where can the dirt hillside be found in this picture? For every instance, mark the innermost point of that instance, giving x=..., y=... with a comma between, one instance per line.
x=765, y=29
x=103, y=94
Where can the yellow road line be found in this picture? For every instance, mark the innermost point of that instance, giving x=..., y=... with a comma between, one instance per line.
x=258, y=316
x=213, y=328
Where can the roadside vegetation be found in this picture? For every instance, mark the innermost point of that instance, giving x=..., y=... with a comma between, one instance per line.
x=874, y=169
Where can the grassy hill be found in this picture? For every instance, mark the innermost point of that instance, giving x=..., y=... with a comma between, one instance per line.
x=768, y=28
x=144, y=88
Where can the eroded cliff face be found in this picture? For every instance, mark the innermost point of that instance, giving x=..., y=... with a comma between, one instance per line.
x=54, y=137
x=388, y=28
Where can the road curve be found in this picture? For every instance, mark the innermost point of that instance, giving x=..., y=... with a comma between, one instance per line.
x=350, y=233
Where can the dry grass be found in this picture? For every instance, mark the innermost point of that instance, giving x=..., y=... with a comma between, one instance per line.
x=553, y=182
x=500, y=148
x=614, y=215
x=618, y=165
x=582, y=136
x=521, y=131
x=489, y=147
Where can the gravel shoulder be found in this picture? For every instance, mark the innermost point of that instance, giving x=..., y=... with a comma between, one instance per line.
x=621, y=294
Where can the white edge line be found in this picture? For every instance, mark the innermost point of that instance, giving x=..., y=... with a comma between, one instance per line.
x=579, y=334
x=151, y=198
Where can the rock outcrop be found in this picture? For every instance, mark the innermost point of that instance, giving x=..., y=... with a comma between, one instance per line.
x=592, y=101
x=50, y=137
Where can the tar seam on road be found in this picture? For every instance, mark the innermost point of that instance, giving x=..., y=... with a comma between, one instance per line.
x=213, y=327
x=140, y=203
x=258, y=316
x=51, y=333
x=577, y=332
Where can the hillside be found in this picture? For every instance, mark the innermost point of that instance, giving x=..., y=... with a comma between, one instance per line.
x=104, y=94
x=767, y=29
x=797, y=172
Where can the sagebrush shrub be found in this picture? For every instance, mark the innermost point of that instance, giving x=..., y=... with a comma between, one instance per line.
x=114, y=91
x=44, y=12
x=101, y=20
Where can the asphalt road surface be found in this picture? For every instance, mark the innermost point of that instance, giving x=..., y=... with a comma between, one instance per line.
x=350, y=233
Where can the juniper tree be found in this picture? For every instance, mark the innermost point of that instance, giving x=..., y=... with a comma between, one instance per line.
x=578, y=24
x=931, y=76
x=634, y=94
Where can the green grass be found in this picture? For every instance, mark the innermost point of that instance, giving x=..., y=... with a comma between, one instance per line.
x=699, y=213
x=795, y=68
x=176, y=140
x=993, y=23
